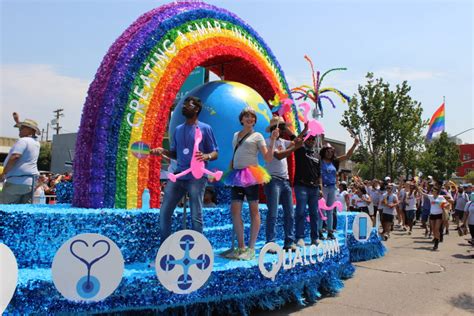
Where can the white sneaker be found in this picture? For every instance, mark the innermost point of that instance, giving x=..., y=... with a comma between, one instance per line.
x=300, y=243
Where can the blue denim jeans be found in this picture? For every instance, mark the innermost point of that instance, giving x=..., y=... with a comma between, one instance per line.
x=174, y=192
x=309, y=196
x=279, y=191
x=329, y=194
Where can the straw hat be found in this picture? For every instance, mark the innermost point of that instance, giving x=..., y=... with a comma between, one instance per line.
x=29, y=123
x=276, y=120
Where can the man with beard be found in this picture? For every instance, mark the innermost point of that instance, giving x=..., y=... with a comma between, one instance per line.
x=181, y=149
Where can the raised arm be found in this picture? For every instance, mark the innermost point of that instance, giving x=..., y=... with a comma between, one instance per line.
x=351, y=150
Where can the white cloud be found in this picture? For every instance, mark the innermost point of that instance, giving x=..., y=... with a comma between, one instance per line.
x=35, y=91
x=401, y=74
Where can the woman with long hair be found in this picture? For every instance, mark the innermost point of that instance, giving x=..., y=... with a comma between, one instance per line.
x=329, y=166
x=438, y=203
x=245, y=176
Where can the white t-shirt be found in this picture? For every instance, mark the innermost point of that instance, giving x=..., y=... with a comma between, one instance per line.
x=436, y=204
x=26, y=165
x=277, y=167
x=392, y=198
x=341, y=197
x=410, y=201
x=361, y=203
x=470, y=209
x=247, y=153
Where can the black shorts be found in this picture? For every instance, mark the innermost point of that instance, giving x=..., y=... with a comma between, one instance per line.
x=410, y=215
x=364, y=209
x=436, y=216
x=387, y=218
x=251, y=192
x=459, y=214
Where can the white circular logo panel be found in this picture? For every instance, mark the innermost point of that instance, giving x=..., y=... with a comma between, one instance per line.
x=184, y=262
x=8, y=276
x=87, y=267
x=361, y=227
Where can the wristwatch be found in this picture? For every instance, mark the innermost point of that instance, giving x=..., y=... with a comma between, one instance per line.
x=209, y=157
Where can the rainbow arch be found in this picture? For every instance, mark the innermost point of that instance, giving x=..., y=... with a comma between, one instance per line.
x=130, y=97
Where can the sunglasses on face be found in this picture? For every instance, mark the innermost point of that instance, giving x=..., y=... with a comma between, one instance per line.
x=190, y=105
x=280, y=126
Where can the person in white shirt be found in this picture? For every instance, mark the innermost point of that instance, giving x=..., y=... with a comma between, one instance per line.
x=20, y=167
x=460, y=202
x=389, y=203
x=411, y=198
x=438, y=203
x=469, y=217
x=343, y=196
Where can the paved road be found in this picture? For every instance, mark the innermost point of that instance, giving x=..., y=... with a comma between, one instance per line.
x=410, y=280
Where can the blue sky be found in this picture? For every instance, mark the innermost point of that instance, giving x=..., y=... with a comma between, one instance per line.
x=50, y=51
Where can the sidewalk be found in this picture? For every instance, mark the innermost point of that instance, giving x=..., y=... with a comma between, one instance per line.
x=410, y=280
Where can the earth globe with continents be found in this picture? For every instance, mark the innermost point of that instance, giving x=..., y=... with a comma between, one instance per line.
x=222, y=103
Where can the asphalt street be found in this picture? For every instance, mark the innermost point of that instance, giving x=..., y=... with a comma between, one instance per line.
x=410, y=279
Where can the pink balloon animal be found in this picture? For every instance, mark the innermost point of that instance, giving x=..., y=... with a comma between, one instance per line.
x=197, y=168
x=314, y=127
x=322, y=206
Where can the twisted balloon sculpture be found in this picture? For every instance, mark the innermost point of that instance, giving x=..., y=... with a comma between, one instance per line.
x=316, y=93
x=197, y=167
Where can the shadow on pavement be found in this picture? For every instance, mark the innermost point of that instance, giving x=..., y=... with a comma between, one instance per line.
x=460, y=256
x=424, y=248
x=463, y=301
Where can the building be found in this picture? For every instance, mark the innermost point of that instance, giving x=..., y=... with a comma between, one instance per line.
x=466, y=152
x=5, y=144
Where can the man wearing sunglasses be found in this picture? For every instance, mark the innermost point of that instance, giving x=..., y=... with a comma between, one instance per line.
x=278, y=190
x=181, y=149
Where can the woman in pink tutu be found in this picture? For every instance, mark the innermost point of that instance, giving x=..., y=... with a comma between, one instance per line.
x=245, y=176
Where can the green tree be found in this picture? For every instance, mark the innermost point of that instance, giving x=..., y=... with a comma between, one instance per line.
x=44, y=159
x=389, y=124
x=441, y=158
x=469, y=177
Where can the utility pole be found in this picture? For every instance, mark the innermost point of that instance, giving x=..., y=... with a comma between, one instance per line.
x=47, y=132
x=56, y=120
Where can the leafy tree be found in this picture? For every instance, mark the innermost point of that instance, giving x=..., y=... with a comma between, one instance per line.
x=469, y=177
x=44, y=159
x=441, y=158
x=389, y=124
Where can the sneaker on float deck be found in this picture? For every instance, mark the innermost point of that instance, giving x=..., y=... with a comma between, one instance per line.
x=300, y=242
x=247, y=255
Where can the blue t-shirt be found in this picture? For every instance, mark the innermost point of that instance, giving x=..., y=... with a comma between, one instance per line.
x=183, y=144
x=328, y=173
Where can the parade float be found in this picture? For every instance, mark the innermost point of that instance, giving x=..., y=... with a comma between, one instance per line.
x=101, y=252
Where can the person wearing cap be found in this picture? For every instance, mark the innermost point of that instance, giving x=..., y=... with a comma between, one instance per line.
x=329, y=166
x=278, y=190
x=20, y=166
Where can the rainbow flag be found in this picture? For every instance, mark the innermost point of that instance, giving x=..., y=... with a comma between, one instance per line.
x=436, y=122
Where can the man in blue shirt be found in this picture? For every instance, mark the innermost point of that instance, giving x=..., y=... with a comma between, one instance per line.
x=181, y=149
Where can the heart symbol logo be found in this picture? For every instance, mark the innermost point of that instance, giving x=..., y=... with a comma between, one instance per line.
x=93, y=261
x=8, y=276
